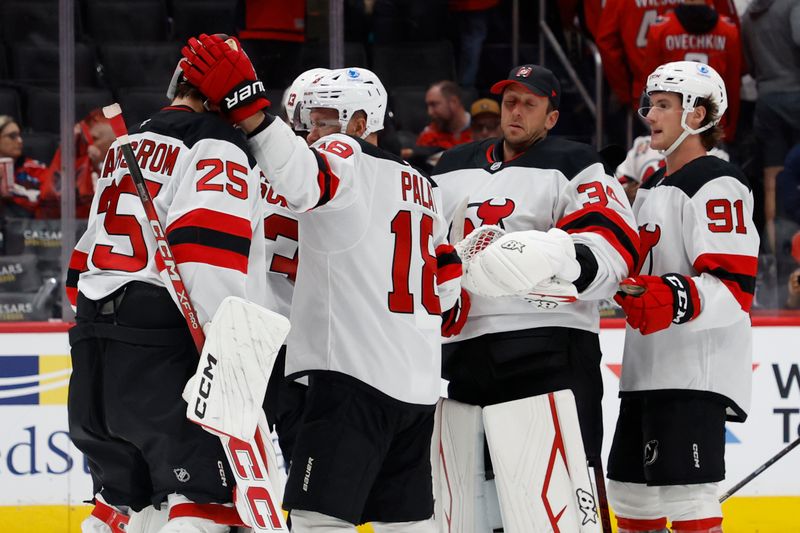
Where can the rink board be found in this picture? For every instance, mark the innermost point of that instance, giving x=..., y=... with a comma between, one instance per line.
x=42, y=475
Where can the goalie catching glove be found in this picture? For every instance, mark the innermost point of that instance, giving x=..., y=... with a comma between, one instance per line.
x=517, y=262
x=220, y=69
x=652, y=303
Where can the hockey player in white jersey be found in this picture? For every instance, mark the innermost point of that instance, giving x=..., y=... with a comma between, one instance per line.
x=565, y=217
x=642, y=161
x=285, y=398
x=687, y=360
x=132, y=352
x=376, y=273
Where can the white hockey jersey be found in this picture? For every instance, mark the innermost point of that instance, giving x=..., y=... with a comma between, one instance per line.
x=698, y=222
x=206, y=192
x=642, y=161
x=367, y=299
x=555, y=183
x=280, y=237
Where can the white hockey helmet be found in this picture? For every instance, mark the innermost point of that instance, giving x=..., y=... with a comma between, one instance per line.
x=692, y=80
x=293, y=96
x=348, y=90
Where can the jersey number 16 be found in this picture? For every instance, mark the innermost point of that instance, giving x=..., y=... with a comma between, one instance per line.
x=401, y=300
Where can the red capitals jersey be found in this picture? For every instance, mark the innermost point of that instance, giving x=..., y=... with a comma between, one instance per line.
x=622, y=39
x=719, y=47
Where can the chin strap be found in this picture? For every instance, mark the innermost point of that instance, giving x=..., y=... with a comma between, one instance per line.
x=685, y=133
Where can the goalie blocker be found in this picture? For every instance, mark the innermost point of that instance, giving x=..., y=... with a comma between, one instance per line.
x=540, y=477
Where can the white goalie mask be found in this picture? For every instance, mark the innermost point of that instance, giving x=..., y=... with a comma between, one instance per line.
x=293, y=97
x=692, y=80
x=348, y=90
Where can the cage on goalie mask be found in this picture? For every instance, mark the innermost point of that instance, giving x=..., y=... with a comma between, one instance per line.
x=348, y=90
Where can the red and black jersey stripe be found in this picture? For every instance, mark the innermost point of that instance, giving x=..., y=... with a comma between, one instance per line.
x=77, y=264
x=610, y=225
x=327, y=180
x=211, y=237
x=737, y=272
x=448, y=264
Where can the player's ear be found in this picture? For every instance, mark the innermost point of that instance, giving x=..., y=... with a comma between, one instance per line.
x=357, y=125
x=552, y=118
x=697, y=116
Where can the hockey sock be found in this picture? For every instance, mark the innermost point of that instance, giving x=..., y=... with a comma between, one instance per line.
x=640, y=525
x=703, y=525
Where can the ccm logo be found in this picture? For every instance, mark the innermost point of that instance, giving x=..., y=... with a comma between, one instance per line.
x=243, y=93
x=205, y=387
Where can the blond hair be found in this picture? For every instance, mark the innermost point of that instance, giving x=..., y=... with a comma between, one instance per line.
x=5, y=120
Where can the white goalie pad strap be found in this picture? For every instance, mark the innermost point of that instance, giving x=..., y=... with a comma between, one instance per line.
x=460, y=499
x=226, y=393
x=540, y=466
x=517, y=262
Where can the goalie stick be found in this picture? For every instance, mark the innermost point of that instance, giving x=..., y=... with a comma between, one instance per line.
x=247, y=459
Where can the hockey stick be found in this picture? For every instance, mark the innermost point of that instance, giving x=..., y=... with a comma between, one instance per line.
x=246, y=458
x=759, y=470
x=602, y=498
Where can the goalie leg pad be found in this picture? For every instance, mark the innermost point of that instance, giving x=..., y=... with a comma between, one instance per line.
x=540, y=466
x=465, y=502
x=148, y=520
x=227, y=391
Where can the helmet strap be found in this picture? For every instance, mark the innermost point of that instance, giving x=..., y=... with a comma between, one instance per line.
x=686, y=132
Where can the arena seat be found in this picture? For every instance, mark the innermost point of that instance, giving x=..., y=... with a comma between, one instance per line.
x=121, y=21
x=40, y=145
x=318, y=55
x=139, y=104
x=139, y=65
x=193, y=17
x=417, y=64
x=408, y=105
x=32, y=22
x=38, y=64
x=43, y=107
x=10, y=104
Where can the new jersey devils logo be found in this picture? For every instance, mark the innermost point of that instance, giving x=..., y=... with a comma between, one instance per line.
x=490, y=213
x=647, y=241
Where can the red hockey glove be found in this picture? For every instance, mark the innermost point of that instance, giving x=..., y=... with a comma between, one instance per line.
x=220, y=69
x=453, y=320
x=669, y=299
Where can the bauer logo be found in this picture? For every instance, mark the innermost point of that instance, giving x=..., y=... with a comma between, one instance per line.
x=34, y=379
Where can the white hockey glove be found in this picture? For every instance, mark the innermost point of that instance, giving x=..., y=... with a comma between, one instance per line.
x=519, y=261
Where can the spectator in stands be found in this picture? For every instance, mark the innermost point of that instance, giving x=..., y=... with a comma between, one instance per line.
x=23, y=194
x=695, y=31
x=472, y=21
x=788, y=186
x=485, y=119
x=93, y=137
x=449, y=125
x=771, y=42
x=622, y=38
